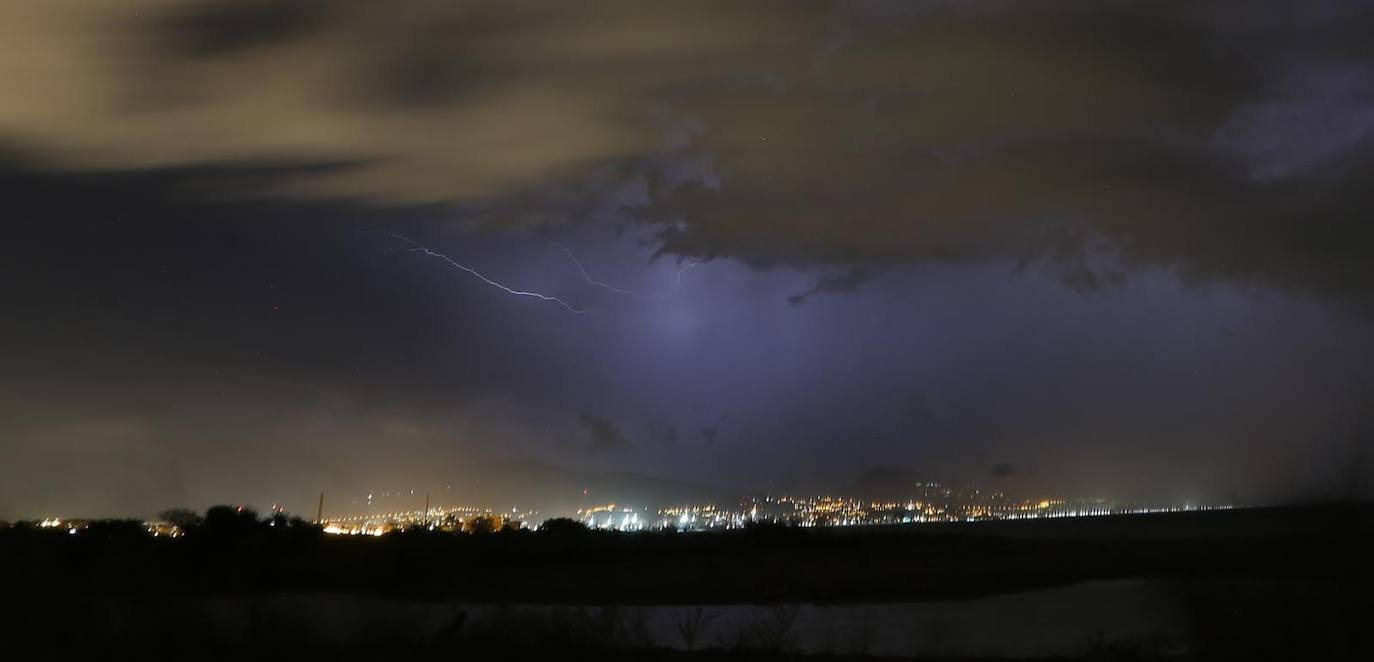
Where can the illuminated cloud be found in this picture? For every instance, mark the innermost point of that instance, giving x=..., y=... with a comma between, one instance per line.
x=850, y=134
x=1096, y=242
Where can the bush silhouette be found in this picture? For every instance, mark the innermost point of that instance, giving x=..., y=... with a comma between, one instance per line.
x=230, y=521
x=563, y=526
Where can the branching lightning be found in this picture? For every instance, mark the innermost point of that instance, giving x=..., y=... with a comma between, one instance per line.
x=677, y=282
x=417, y=247
x=588, y=277
x=677, y=277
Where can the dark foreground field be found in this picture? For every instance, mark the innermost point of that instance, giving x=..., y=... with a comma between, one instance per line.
x=1224, y=584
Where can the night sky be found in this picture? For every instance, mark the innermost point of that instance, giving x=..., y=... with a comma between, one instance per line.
x=1083, y=248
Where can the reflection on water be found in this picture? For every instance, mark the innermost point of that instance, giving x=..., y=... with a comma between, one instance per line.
x=1129, y=615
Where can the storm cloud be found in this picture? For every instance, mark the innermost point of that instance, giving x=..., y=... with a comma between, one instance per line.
x=601, y=433
x=1220, y=142
x=1084, y=247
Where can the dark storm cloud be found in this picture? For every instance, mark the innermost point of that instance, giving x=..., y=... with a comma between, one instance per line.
x=1082, y=260
x=203, y=294
x=267, y=351
x=217, y=29
x=669, y=435
x=710, y=433
x=1224, y=142
x=846, y=282
x=601, y=433
x=919, y=407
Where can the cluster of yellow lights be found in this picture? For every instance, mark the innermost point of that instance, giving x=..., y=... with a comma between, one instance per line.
x=410, y=514
x=940, y=504
x=707, y=509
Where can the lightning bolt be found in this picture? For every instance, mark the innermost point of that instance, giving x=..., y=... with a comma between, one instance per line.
x=677, y=282
x=677, y=277
x=417, y=247
x=587, y=276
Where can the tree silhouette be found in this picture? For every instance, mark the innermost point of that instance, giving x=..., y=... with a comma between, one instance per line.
x=182, y=518
x=562, y=526
x=114, y=530
x=230, y=521
x=692, y=624
x=482, y=524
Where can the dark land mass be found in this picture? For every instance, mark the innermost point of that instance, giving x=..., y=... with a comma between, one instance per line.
x=1303, y=572
x=765, y=563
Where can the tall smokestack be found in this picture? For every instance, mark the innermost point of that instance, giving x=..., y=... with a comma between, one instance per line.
x=319, y=513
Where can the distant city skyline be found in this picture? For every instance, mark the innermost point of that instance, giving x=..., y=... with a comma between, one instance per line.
x=917, y=502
